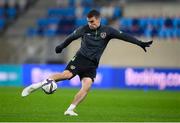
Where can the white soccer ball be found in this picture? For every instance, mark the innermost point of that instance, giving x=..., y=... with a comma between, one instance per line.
x=49, y=87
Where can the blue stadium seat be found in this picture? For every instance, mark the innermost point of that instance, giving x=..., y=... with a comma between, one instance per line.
x=50, y=33
x=80, y=22
x=143, y=22
x=176, y=32
x=42, y=22
x=67, y=11
x=2, y=11
x=125, y=22
x=60, y=12
x=157, y=22
x=2, y=24
x=104, y=21
x=53, y=20
x=176, y=22
x=165, y=33
x=148, y=33
x=71, y=2
x=87, y=3
x=12, y=13
x=117, y=12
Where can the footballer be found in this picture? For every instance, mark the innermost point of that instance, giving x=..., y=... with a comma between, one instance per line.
x=94, y=39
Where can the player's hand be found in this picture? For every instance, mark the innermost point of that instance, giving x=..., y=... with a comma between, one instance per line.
x=58, y=49
x=146, y=44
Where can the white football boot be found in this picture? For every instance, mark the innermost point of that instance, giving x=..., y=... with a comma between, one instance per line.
x=28, y=90
x=70, y=113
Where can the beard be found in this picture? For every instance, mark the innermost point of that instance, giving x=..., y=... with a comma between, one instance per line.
x=93, y=27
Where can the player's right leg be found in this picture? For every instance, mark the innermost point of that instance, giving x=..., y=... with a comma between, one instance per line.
x=80, y=96
x=55, y=77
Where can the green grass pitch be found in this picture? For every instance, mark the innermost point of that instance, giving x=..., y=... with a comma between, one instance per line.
x=99, y=106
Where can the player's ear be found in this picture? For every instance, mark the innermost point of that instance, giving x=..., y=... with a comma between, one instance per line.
x=99, y=19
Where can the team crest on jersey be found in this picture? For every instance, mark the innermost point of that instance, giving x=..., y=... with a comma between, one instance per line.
x=103, y=35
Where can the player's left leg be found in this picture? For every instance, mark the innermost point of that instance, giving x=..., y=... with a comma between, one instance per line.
x=80, y=96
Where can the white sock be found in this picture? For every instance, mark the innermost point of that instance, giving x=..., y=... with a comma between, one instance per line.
x=71, y=107
x=39, y=84
x=36, y=85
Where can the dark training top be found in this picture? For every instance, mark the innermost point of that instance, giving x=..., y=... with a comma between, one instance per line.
x=95, y=41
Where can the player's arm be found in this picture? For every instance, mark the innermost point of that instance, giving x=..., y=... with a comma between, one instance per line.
x=128, y=38
x=73, y=36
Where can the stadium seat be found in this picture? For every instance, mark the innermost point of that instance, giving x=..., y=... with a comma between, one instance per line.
x=53, y=20
x=143, y=22
x=64, y=18
x=176, y=22
x=104, y=21
x=165, y=33
x=12, y=13
x=157, y=22
x=50, y=33
x=176, y=32
x=87, y=3
x=80, y=22
x=125, y=22
x=60, y=12
x=163, y=27
x=71, y=2
x=117, y=12
x=2, y=12
x=42, y=22
x=2, y=24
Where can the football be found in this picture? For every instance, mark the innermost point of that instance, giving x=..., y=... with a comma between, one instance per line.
x=49, y=87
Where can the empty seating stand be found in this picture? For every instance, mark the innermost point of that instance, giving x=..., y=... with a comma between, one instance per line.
x=9, y=11
x=163, y=27
x=63, y=20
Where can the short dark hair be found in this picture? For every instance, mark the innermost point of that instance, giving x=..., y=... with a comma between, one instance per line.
x=93, y=13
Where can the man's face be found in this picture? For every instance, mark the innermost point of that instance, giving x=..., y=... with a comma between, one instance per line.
x=93, y=22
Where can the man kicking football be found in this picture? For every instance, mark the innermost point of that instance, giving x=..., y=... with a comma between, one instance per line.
x=94, y=39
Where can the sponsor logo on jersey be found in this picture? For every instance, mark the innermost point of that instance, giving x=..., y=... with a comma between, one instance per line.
x=88, y=33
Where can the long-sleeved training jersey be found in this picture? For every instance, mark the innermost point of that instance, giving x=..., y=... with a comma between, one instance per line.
x=93, y=42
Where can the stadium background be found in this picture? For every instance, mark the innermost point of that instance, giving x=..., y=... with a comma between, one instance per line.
x=31, y=29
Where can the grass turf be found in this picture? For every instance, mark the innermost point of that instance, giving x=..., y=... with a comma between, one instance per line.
x=100, y=105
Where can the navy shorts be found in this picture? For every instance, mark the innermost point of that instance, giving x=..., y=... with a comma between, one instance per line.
x=82, y=66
